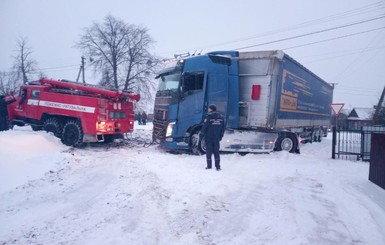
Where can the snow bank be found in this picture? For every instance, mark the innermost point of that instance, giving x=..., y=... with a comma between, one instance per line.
x=129, y=194
x=27, y=155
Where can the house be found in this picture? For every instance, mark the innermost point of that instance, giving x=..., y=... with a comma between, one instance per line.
x=340, y=120
x=360, y=117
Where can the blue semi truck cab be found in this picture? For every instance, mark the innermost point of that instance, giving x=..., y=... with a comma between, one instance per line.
x=269, y=101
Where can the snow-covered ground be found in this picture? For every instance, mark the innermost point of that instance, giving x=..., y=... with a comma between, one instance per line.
x=128, y=194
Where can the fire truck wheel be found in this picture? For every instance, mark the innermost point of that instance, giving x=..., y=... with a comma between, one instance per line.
x=72, y=134
x=53, y=125
x=36, y=128
x=198, y=146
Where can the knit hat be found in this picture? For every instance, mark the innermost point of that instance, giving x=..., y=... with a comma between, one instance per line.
x=213, y=107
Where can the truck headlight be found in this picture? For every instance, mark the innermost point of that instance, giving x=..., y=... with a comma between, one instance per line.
x=170, y=127
x=101, y=126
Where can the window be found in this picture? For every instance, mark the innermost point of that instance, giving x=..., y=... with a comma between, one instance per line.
x=169, y=81
x=117, y=115
x=192, y=82
x=35, y=94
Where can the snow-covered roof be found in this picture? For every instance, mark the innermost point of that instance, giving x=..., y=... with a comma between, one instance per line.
x=361, y=114
x=345, y=111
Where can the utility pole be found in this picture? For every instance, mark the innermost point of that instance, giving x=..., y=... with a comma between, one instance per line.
x=83, y=63
x=81, y=70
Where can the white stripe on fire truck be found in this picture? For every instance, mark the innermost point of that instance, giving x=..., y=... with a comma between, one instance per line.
x=70, y=107
x=33, y=102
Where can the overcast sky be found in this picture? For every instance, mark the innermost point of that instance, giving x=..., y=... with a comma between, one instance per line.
x=351, y=53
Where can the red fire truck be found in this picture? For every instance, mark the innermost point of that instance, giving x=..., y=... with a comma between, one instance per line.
x=74, y=112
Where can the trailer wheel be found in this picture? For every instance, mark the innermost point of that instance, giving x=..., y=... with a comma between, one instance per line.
x=198, y=145
x=314, y=137
x=53, y=125
x=318, y=137
x=72, y=134
x=287, y=142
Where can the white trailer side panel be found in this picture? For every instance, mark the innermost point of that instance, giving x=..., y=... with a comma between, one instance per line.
x=254, y=69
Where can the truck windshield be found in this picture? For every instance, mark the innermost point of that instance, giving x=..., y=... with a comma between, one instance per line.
x=169, y=81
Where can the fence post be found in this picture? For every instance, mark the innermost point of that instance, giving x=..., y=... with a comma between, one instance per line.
x=362, y=143
x=377, y=156
x=334, y=142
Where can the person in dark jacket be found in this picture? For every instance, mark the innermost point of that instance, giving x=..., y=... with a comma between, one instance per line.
x=213, y=130
x=144, y=118
x=23, y=97
x=4, y=112
x=139, y=118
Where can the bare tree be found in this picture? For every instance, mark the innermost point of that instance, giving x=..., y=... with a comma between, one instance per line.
x=8, y=83
x=24, y=66
x=106, y=80
x=379, y=114
x=120, y=52
x=379, y=117
x=3, y=83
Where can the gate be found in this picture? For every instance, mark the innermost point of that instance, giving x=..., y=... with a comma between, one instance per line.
x=353, y=144
x=377, y=161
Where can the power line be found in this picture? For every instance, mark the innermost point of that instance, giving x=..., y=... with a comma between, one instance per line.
x=343, y=52
x=352, y=87
x=57, y=67
x=68, y=69
x=362, y=10
x=317, y=21
x=312, y=33
x=367, y=95
x=334, y=38
x=357, y=11
x=344, y=55
x=353, y=62
x=357, y=88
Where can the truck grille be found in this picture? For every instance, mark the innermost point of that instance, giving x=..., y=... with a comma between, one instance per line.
x=159, y=130
x=160, y=115
x=159, y=124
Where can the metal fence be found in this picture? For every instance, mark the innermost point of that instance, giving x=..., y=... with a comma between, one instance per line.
x=353, y=144
x=377, y=161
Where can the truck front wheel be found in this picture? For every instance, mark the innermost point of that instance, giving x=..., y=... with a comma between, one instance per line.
x=287, y=142
x=53, y=125
x=198, y=145
x=72, y=134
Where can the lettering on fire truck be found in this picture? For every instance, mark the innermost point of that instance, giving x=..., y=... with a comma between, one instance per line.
x=70, y=107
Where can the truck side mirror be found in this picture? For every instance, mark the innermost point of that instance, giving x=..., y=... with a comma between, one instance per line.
x=180, y=90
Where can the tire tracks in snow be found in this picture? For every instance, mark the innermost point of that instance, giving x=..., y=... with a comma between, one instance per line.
x=87, y=199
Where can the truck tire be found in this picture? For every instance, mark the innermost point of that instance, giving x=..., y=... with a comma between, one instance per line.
x=72, y=134
x=313, y=136
x=36, y=127
x=53, y=125
x=198, y=146
x=287, y=142
x=318, y=137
